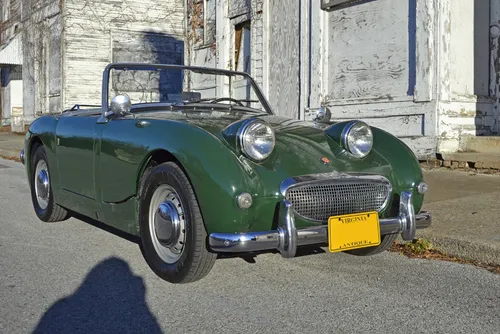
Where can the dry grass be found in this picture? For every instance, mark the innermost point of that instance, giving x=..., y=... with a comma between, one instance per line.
x=422, y=249
x=8, y=128
x=10, y=158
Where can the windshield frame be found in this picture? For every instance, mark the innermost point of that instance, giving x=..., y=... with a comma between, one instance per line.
x=154, y=67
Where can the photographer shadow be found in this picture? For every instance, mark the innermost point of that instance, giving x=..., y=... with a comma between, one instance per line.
x=110, y=299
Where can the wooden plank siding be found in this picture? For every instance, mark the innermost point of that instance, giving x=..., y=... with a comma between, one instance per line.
x=368, y=57
x=68, y=43
x=41, y=30
x=10, y=20
x=98, y=32
x=284, y=89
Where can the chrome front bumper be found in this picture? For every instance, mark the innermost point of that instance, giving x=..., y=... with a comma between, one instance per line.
x=286, y=238
x=21, y=156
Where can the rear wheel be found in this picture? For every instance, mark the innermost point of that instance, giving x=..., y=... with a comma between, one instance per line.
x=385, y=244
x=173, y=236
x=42, y=195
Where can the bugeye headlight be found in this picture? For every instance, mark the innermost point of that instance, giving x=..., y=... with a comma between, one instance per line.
x=257, y=140
x=357, y=139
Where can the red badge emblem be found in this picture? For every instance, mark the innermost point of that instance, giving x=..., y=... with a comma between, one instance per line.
x=325, y=160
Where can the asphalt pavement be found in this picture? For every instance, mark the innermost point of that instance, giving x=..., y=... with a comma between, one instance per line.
x=79, y=277
x=10, y=144
x=465, y=214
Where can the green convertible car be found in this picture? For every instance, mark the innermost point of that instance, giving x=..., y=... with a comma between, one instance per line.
x=195, y=162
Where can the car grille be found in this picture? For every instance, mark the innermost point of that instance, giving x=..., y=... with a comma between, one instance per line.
x=319, y=201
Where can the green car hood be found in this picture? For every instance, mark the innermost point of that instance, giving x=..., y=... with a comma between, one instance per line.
x=300, y=147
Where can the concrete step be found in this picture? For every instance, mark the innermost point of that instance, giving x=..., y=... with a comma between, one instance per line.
x=471, y=160
x=478, y=153
x=480, y=144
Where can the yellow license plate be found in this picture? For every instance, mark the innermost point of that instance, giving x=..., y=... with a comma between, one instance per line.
x=353, y=231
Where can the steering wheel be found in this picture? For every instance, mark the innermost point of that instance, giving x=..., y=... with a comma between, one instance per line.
x=227, y=99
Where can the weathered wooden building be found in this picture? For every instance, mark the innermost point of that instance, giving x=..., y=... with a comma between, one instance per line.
x=11, y=92
x=60, y=48
x=425, y=70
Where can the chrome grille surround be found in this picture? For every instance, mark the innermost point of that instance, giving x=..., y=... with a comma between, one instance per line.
x=316, y=197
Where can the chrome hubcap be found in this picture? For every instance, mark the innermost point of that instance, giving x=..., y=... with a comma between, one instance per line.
x=42, y=184
x=167, y=224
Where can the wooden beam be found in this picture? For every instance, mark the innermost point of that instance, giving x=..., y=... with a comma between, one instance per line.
x=237, y=44
x=425, y=50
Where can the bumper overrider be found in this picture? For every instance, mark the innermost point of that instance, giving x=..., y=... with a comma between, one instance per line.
x=286, y=238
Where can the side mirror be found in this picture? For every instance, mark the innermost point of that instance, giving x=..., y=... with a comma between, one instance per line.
x=120, y=105
x=323, y=115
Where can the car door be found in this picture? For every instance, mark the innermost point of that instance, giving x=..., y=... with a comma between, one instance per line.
x=75, y=140
x=122, y=147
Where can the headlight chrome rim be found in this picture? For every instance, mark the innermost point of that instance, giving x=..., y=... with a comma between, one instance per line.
x=346, y=132
x=244, y=131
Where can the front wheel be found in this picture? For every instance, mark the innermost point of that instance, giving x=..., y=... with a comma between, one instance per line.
x=173, y=236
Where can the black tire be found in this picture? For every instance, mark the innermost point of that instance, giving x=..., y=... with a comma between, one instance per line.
x=195, y=261
x=52, y=212
x=385, y=244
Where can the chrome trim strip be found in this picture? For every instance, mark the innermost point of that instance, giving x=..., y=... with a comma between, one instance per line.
x=21, y=156
x=407, y=215
x=423, y=220
x=332, y=176
x=288, y=235
x=244, y=242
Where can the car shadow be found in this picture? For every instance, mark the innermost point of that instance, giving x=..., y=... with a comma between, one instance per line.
x=111, y=299
x=247, y=257
x=106, y=228
x=251, y=257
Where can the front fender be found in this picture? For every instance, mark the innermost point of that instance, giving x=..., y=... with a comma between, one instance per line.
x=216, y=174
x=406, y=171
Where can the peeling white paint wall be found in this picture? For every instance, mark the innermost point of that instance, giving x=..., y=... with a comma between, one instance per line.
x=379, y=68
x=355, y=60
x=466, y=106
x=420, y=69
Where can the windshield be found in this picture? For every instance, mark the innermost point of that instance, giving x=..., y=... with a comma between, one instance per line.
x=183, y=86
